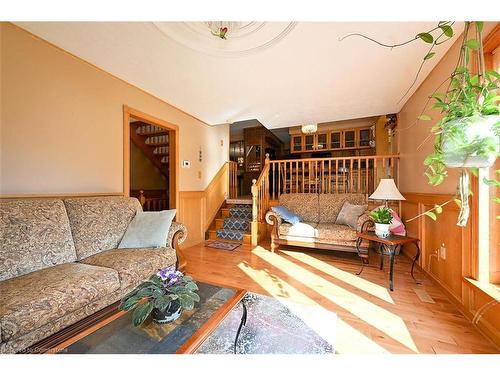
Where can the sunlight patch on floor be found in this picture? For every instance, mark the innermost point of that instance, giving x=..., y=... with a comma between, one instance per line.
x=385, y=321
x=343, y=337
x=349, y=278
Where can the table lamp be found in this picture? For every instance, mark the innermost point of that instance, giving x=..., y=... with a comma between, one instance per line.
x=387, y=191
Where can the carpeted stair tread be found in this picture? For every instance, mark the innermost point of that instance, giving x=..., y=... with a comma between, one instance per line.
x=236, y=224
x=229, y=234
x=244, y=212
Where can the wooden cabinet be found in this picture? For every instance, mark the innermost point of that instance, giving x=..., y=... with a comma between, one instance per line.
x=331, y=140
x=364, y=137
x=344, y=139
x=296, y=145
x=335, y=140
x=321, y=141
x=349, y=138
x=309, y=142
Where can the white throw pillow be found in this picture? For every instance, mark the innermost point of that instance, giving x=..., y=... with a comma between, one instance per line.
x=148, y=229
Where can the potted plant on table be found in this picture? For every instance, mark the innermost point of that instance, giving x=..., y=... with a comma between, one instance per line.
x=382, y=218
x=163, y=296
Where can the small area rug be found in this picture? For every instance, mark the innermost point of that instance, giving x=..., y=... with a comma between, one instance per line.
x=223, y=245
x=274, y=327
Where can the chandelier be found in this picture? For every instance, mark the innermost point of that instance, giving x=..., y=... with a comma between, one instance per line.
x=222, y=29
x=309, y=128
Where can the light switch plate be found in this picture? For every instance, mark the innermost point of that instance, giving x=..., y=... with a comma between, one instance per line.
x=186, y=164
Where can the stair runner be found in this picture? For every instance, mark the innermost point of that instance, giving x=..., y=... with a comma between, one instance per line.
x=237, y=223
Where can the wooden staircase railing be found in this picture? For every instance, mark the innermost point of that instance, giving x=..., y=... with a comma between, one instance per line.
x=260, y=202
x=355, y=174
x=152, y=203
x=233, y=179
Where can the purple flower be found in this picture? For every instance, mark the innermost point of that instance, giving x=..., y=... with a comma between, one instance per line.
x=169, y=276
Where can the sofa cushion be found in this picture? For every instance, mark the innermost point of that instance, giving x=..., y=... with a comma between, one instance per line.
x=148, y=229
x=303, y=230
x=333, y=232
x=31, y=301
x=303, y=204
x=331, y=204
x=286, y=214
x=34, y=234
x=350, y=213
x=99, y=223
x=134, y=265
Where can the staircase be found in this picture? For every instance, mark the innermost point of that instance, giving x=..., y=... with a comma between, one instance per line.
x=233, y=223
x=153, y=141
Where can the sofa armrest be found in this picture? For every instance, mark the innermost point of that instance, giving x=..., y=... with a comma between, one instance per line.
x=275, y=220
x=365, y=223
x=176, y=236
x=272, y=218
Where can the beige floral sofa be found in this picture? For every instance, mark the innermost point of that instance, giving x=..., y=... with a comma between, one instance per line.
x=317, y=228
x=59, y=263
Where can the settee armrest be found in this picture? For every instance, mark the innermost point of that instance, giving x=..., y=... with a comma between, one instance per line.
x=176, y=236
x=365, y=223
x=272, y=218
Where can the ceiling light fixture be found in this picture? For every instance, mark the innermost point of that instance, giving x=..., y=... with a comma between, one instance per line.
x=222, y=29
x=309, y=128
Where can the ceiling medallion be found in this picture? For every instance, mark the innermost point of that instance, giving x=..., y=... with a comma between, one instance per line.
x=309, y=128
x=232, y=39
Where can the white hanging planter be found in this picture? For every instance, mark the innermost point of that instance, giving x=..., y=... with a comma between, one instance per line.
x=462, y=137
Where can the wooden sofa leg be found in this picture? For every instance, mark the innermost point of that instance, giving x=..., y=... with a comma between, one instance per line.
x=181, y=263
x=274, y=244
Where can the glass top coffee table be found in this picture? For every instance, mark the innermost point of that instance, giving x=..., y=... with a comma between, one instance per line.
x=117, y=335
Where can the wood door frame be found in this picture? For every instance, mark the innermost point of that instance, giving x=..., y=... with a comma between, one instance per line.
x=173, y=153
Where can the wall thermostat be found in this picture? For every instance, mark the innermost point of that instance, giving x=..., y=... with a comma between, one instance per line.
x=186, y=164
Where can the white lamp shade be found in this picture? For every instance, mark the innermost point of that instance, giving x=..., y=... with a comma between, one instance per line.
x=387, y=190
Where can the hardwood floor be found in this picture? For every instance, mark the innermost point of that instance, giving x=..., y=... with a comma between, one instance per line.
x=370, y=318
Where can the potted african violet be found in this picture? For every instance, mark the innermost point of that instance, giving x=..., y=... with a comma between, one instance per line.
x=382, y=218
x=163, y=296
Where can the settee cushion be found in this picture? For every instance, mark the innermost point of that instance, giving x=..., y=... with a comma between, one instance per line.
x=34, y=234
x=99, y=223
x=304, y=205
x=134, y=265
x=148, y=229
x=335, y=232
x=331, y=204
x=350, y=213
x=33, y=300
x=286, y=214
x=302, y=230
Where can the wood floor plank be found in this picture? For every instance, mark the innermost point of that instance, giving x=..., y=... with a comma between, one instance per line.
x=370, y=317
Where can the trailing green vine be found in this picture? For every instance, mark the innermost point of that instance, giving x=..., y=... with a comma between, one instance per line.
x=469, y=105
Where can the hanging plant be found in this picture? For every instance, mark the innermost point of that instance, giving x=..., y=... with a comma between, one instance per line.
x=468, y=134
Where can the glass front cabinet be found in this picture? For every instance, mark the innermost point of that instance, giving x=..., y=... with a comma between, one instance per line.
x=296, y=143
x=364, y=136
x=321, y=141
x=309, y=142
x=331, y=140
x=335, y=140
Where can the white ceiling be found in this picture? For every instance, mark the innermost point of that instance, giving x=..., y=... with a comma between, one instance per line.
x=306, y=76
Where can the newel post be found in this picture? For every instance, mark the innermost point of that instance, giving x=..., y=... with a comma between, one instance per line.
x=255, y=212
x=142, y=198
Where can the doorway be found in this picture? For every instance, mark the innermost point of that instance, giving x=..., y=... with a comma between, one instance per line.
x=150, y=158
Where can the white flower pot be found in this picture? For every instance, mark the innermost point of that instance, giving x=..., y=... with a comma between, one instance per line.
x=382, y=230
x=460, y=133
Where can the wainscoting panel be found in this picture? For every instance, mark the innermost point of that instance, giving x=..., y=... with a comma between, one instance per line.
x=452, y=271
x=197, y=209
